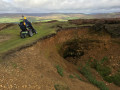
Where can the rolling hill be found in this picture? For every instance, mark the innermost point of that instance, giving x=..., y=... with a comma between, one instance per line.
x=43, y=17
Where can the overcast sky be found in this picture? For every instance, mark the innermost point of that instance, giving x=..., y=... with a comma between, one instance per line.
x=59, y=6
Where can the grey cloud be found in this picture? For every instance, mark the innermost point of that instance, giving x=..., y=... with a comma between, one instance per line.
x=77, y=6
x=4, y=6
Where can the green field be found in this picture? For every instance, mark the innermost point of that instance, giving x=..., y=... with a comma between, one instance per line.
x=9, y=20
x=16, y=19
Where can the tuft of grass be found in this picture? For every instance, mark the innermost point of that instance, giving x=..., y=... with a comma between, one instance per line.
x=77, y=76
x=14, y=41
x=61, y=87
x=113, y=79
x=105, y=59
x=99, y=66
x=85, y=70
x=60, y=70
x=14, y=65
x=116, y=79
x=103, y=70
x=71, y=76
x=21, y=68
x=118, y=70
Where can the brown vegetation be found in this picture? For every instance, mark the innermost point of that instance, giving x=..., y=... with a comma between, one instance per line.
x=94, y=21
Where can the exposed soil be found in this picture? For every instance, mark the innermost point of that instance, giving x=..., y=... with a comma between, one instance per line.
x=33, y=68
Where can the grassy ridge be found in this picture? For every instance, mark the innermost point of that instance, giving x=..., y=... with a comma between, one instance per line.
x=13, y=34
x=14, y=40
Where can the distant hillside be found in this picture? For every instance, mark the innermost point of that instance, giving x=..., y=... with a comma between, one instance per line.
x=43, y=17
x=107, y=15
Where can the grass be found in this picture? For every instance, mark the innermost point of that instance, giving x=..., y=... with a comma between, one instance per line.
x=9, y=20
x=61, y=87
x=77, y=76
x=115, y=78
x=60, y=70
x=100, y=66
x=105, y=59
x=14, y=40
x=14, y=65
x=105, y=71
x=102, y=69
x=71, y=76
x=85, y=70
